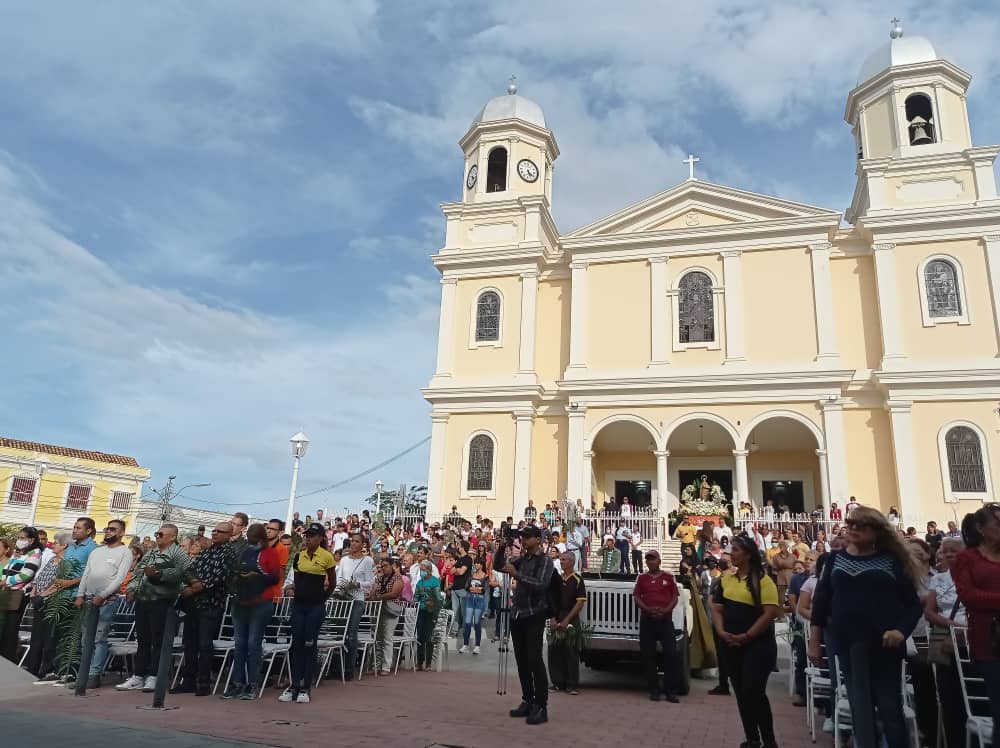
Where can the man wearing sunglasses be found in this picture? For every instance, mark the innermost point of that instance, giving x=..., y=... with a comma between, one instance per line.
x=107, y=567
x=154, y=586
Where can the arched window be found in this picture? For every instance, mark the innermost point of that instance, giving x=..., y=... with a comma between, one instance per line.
x=480, y=463
x=496, y=170
x=488, y=317
x=920, y=120
x=695, y=309
x=964, y=453
x=941, y=282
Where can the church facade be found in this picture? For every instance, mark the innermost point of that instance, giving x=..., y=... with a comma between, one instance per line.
x=795, y=354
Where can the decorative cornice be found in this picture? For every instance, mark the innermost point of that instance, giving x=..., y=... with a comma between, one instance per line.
x=883, y=246
x=898, y=406
x=741, y=452
x=731, y=254
x=991, y=238
x=821, y=247
x=656, y=259
x=578, y=265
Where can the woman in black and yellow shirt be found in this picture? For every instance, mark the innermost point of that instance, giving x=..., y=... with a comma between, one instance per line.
x=313, y=578
x=744, y=607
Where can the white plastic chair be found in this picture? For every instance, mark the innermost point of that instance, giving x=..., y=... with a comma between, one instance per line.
x=405, y=635
x=333, y=636
x=225, y=644
x=368, y=632
x=441, y=639
x=819, y=685
x=975, y=724
x=121, y=637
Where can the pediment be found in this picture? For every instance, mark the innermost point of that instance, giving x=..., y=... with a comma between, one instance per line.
x=693, y=204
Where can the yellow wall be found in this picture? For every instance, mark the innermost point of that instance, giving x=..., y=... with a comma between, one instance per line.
x=855, y=303
x=613, y=461
x=487, y=360
x=789, y=459
x=778, y=296
x=51, y=513
x=949, y=340
x=880, y=128
x=460, y=429
x=870, y=463
x=928, y=420
x=548, y=459
x=552, y=336
x=618, y=300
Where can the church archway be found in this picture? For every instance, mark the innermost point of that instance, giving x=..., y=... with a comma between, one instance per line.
x=784, y=454
x=623, y=463
x=700, y=444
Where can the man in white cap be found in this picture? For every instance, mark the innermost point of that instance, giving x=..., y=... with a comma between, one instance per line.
x=611, y=557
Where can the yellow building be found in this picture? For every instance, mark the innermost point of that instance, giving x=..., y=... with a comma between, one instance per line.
x=50, y=487
x=793, y=353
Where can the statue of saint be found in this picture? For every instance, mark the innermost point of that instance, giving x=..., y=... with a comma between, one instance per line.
x=705, y=488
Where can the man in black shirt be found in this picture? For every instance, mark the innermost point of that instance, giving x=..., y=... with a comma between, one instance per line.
x=564, y=658
x=461, y=572
x=533, y=595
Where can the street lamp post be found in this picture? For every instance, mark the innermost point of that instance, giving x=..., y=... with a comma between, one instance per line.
x=299, y=446
x=379, y=485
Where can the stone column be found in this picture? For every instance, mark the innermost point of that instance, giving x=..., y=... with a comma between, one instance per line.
x=660, y=337
x=992, y=242
x=574, y=456
x=446, y=328
x=588, y=474
x=888, y=303
x=900, y=416
x=529, y=307
x=436, y=465
x=836, y=449
x=826, y=331
x=663, y=500
x=579, y=317
x=524, y=424
x=824, y=481
x=732, y=270
x=742, y=478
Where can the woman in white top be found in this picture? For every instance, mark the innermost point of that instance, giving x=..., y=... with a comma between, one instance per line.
x=355, y=576
x=820, y=544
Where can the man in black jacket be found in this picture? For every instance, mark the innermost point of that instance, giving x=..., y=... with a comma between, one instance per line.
x=537, y=586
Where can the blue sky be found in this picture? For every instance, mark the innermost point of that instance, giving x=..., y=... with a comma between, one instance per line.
x=216, y=217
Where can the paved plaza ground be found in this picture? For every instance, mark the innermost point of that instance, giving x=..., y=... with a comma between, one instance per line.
x=458, y=708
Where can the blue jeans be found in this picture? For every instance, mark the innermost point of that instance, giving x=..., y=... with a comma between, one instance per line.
x=249, y=623
x=475, y=605
x=458, y=598
x=357, y=610
x=306, y=620
x=105, y=617
x=873, y=675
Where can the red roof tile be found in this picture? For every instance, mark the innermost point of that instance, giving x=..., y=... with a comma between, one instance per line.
x=68, y=452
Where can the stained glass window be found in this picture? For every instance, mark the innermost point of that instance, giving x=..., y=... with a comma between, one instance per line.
x=965, y=460
x=942, y=289
x=696, y=310
x=481, y=463
x=488, y=317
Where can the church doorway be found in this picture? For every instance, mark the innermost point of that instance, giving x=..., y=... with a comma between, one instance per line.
x=783, y=465
x=789, y=493
x=638, y=492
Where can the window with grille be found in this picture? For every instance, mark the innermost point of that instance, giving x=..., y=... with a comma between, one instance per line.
x=481, y=463
x=22, y=491
x=78, y=497
x=965, y=460
x=488, y=317
x=121, y=501
x=696, y=309
x=941, y=282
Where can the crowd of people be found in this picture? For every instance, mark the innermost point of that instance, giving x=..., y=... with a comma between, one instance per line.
x=865, y=592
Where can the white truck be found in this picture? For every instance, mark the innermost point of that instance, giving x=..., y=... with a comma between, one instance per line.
x=612, y=612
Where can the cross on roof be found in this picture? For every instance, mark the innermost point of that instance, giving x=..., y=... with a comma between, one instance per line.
x=690, y=161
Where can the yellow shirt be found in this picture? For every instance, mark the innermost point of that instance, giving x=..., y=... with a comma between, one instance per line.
x=687, y=533
x=318, y=564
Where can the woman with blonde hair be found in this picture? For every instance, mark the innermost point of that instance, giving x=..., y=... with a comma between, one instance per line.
x=867, y=601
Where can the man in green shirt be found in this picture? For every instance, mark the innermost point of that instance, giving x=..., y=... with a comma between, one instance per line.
x=610, y=556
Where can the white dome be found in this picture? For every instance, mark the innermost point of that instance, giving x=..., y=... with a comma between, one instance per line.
x=904, y=50
x=511, y=106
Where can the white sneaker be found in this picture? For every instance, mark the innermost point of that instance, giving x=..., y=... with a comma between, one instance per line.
x=135, y=683
x=463, y=649
x=475, y=650
x=828, y=725
x=150, y=685
x=302, y=698
x=286, y=696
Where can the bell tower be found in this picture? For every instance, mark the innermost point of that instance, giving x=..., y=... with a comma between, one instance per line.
x=508, y=150
x=910, y=122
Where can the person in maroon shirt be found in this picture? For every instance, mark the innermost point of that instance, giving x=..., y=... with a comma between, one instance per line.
x=976, y=572
x=656, y=596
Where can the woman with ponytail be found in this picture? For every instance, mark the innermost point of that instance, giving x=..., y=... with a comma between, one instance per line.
x=867, y=600
x=744, y=606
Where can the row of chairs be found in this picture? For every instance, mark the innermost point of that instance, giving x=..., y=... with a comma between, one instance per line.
x=820, y=687
x=331, y=644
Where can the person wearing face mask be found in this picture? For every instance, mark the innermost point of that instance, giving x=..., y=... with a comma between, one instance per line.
x=107, y=567
x=428, y=594
x=17, y=576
